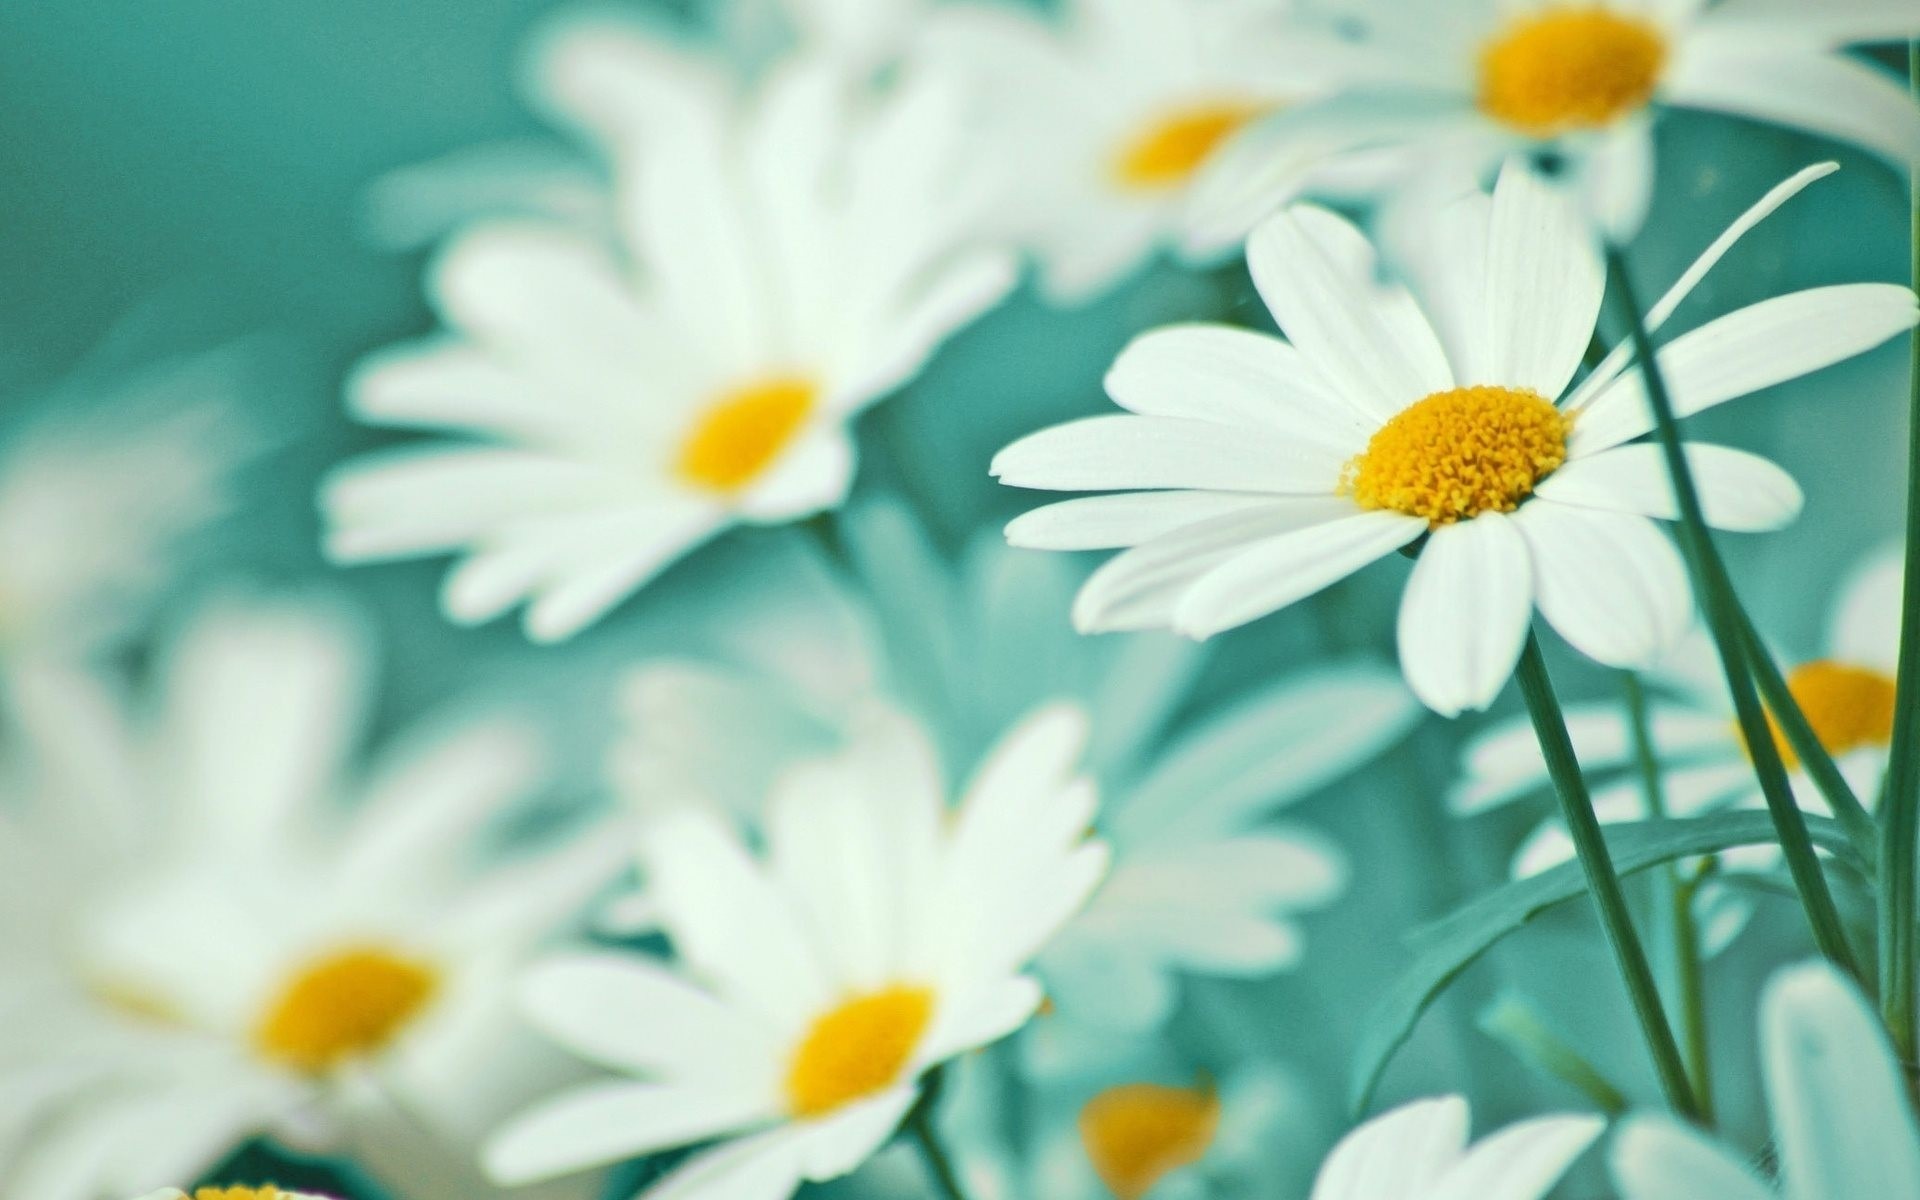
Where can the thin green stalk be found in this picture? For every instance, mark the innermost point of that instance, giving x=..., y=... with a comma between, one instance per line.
x=1515, y=1024
x=1900, y=798
x=1550, y=728
x=1715, y=591
x=919, y=1124
x=1679, y=894
x=1813, y=756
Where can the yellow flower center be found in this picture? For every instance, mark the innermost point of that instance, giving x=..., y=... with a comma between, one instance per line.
x=1570, y=68
x=343, y=1006
x=740, y=434
x=856, y=1050
x=1849, y=707
x=1136, y=1133
x=266, y=1192
x=1456, y=454
x=1168, y=151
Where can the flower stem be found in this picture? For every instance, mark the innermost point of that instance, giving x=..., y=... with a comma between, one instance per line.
x=919, y=1123
x=1900, y=795
x=1716, y=595
x=1679, y=894
x=1556, y=746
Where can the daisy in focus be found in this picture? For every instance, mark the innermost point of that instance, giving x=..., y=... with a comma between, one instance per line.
x=784, y=259
x=1420, y=1152
x=1109, y=115
x=1459, y=85
x=881, y=934
x=216, y=928
x=1444, y=418
x=1842, y=1124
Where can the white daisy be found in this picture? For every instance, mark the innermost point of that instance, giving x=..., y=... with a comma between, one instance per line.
x=881, y=935
x=786, y=259
x=1846, y=693
x=203, y=944
x=1420, y=1152
x=1109, y=114
x=1462, y=84
x=1449, y=421
x=1843, y=1123
x=1205, y=880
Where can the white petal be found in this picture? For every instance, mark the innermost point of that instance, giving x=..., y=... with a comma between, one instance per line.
x=1738, y=490
x=1368, y=340
x=544, y=291
x=1123, y=519
x=1233, y=377
x=812, y=475
x=1270, y=574
x=1839, y=1106
x=1465, y=613
x=1658, y=1159
x=1521, y=1162
x=838, y=1144
x=601, y=1124
x=1791, y=24
x=1132, y=452
x=582, y=596
x=766, y=1166
x=1829, y=94
x=1610, y=583
x=1615, y=179
x=1865, y=628
x=1749, y=349
x=1544, y=280
x=1397, y=1156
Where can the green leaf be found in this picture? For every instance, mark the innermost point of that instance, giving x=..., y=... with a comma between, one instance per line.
x=1450, y=945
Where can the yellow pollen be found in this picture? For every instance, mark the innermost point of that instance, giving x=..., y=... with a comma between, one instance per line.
x=1570, y=68
x=1849, y=707
x=343, y=1006
x=1456, y=454
x=740, y=434
x=1136, y=1133
x=857, y=1049
x=1167, y=152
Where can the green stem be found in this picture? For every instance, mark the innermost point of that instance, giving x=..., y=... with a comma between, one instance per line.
x=1550, y=727
x=1813, y=756
x=1715, y=591
x=1513, y=1023
x=1900, y=795
x=919, y=1123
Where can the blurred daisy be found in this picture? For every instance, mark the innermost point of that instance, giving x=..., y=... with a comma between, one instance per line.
x=1843, y=1124
x=1448, y=422
x=785, y=260
x=1204, y=880
x=203, y=944
x=1846, y=694
x=882, y=934
x=267, y=1192
x=1420, y=1152
x=1109, y=115
x=102, y=486
x=1464, y=85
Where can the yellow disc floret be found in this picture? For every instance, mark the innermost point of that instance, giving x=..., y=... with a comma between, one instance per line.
x=342, y=1006
x=1570, y=68
x=857, y=1049
x=1849, y=707
x=266, y=1192
x=740, y=434
x=1136, y=1133
x=1456, y=454
x=1168, y=151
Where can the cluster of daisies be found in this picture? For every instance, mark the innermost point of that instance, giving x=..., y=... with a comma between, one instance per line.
x=896, y=862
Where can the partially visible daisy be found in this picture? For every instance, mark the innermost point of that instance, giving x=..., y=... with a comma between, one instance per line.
x=267, y=1192
x=1462, y=84
x=1420, y=1152
x=785, y=259
x=1843, y=1123
x=218, y=924
x=881, y=934
x=1846, y=693
x=1109, y=114
x=1253, y=472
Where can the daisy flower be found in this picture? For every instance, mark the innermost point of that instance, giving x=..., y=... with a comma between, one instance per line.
x=216, y=927
x=1462, y=84
x=1109, y=115
x=881, y=934
x=1846, y=693
x=1253, y=471
x=785, y=259
x=1420, y=1152
x=1842, y=1121
x=1214, y=886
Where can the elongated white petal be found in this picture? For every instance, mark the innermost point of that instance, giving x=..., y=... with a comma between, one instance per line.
x=1544, y=280
x=1658, y=1159
x=1610, y=583
x=1465, y=613
x=1792, y=25
x=1132, y=452
x=1521, y=1162
x=1124, y=519
x=604, y=1123
x=1233, y=377
x=1272, y=573
x=1830, y=94
x=1738, y=490
x=1865, y=628
x=1397, y=1156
